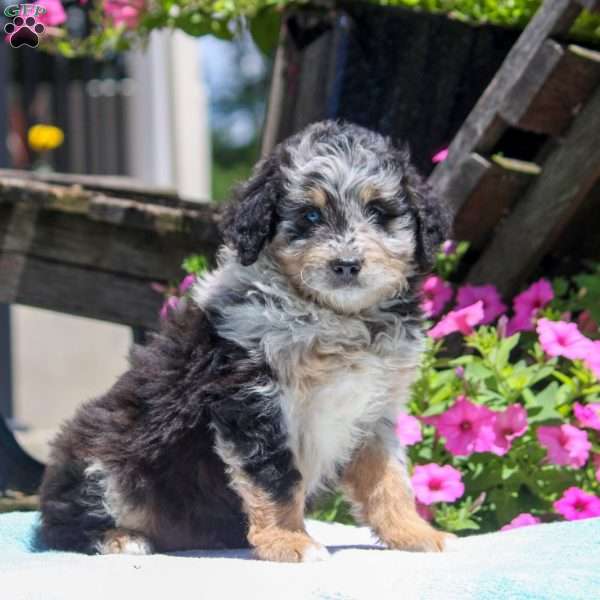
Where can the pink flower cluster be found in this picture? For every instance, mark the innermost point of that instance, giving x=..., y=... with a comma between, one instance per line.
x=468, y=427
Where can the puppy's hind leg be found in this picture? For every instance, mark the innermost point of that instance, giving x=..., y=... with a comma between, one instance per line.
x=124, y=541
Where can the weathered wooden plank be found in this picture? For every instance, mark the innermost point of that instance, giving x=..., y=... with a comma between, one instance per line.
x=497, y=190
x=78, y=291
x=466, y=180
x=78, y=240
x=482, y=129
x=538, y=219
x=197, y=219
x=120, y=186
x=552, y=90
x=580, y=238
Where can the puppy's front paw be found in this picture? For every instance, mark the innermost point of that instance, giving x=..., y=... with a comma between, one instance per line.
x=289, y=546
x=415, y=537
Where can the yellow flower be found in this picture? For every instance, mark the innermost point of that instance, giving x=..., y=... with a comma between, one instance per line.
x=45, y=137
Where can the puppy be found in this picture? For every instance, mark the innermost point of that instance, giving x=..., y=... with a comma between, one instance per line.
x=284, y=373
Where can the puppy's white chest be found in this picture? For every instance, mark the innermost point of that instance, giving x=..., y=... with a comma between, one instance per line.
x=329, y=412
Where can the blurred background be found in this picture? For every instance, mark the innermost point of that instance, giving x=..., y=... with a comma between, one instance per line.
x=184, y=114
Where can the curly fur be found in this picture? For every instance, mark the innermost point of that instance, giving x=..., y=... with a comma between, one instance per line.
x=275, y=378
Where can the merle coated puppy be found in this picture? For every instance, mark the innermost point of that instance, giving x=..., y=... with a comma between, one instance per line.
x=284, y=374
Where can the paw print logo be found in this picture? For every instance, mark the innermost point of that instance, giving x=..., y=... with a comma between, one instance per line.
x=24, y=32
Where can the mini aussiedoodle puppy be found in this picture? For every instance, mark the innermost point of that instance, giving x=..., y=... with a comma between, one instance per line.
x=284, y=374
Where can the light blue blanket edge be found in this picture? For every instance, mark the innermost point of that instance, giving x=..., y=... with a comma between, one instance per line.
x=559, y=561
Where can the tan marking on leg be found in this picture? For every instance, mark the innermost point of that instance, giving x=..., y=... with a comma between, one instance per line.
x=375, y=484
x=276, y=529
x=124, y=541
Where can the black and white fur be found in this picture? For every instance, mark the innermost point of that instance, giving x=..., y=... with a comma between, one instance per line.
x=271, y=380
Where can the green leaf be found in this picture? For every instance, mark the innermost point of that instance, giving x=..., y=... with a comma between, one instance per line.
x=506, y=503
x=477, y=371
x=264, y=27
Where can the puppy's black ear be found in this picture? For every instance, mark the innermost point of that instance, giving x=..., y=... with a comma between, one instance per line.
x=434, y=217
x=250, y=218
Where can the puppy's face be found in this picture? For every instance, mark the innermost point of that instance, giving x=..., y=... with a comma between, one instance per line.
x=343, y=215
x=345, y=235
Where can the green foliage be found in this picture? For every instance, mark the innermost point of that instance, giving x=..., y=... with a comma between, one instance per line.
x=582, y=293
x=332, y=507
x=225, y=18
x=195, y=264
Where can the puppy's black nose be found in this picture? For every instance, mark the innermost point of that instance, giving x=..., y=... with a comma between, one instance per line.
x=345, y=269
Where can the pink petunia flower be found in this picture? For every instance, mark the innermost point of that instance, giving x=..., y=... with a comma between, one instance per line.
x=463, y=320
x=566, y=445
x=440, y=156
x=559, y=338
x=508, y=425
x=186, y=283
x=527, y=305
x=467, y=427
x=522, y=520
x=534, y=298
x=408, y=430
x=434, y=483
x=588, y=415
x=124, y=12
x=169, y=305
x=576, y=504
x=493, y=306
x=436, y=294
x=55, y=14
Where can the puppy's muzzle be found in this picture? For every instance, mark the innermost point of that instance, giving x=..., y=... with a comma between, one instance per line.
x=345, y=270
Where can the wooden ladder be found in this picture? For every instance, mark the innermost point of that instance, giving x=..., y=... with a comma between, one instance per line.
x=513, y=211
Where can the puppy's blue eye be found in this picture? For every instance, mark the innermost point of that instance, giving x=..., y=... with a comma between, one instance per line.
x=313, y=216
